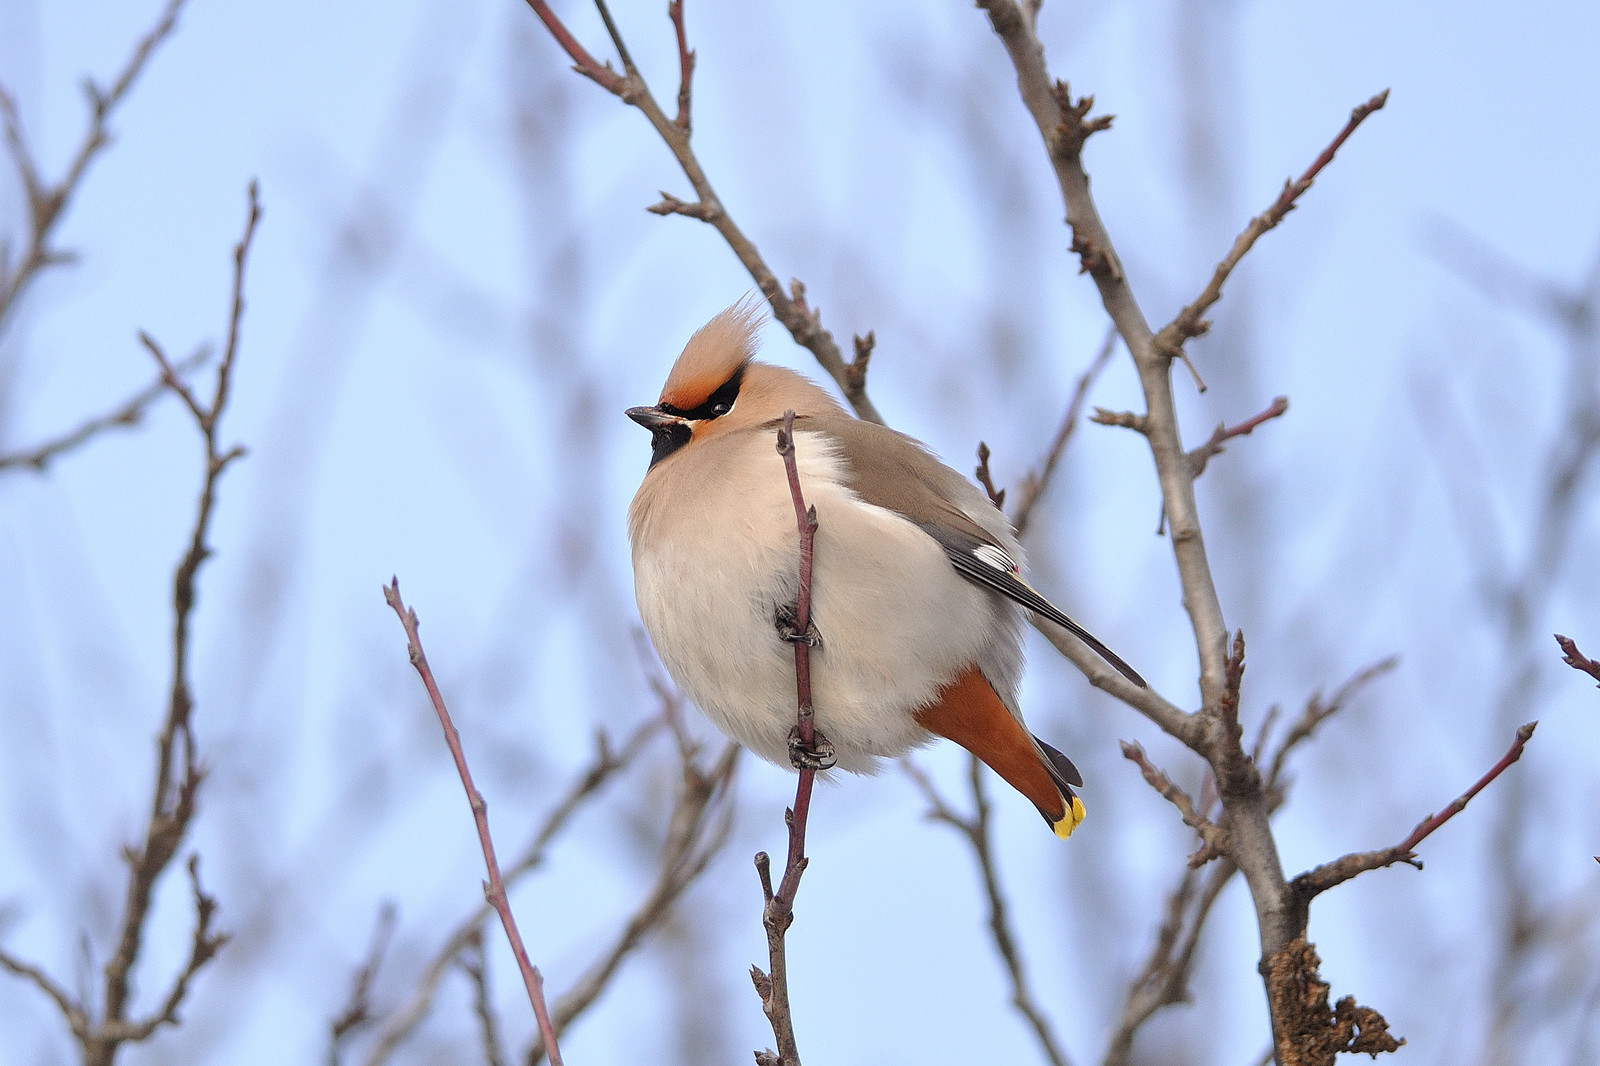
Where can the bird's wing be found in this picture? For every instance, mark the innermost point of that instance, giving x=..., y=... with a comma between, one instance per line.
x=894, y=471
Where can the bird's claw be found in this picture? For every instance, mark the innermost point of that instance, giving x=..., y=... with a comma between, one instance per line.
x=818, y=755
x=787, y=619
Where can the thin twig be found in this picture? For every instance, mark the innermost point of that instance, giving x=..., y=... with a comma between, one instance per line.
x=178, y=774
x=977, y=831
x=358, y=1008
x=1576, y=659
x=1164, y=979
x=1034, y=484
x=699, y=827
x=1190, y=321
x=46, y=205
x=1318, y=711
x=474, y=962
x=608, y=763
x=1314, y=882
x=1214, y=839
x=803, y=323
x=1199, y=457
x=494, y=890
x=777, y=912
x=125, y=415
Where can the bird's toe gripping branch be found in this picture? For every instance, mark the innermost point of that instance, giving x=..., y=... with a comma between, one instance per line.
x=787, y=620
x=817, y=755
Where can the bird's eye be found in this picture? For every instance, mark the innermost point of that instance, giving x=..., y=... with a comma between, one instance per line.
x=721, y=409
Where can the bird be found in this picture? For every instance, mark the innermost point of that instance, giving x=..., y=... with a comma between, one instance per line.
x=917, y=597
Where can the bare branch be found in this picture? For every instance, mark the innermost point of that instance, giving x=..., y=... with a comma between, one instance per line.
x=178, y=773
x=127, y=414
x=1213, y=837
x=1199, y=457
x=1317, y=711
x=1034, y=484
x=76, y=1017
x=810, y=753
x=608, y=763
x=986, y=479
x=358, y=1008
x=697, y=830
x=1314, y=882
x=1164, y=979
x=1576, y=659
x=494, y=889
x=685, y=65
x=475, y=964
x=1190, y=321
x=803, y=323
x=203, y=947
x=583, y=62
x=979, y=836
x=47, y=204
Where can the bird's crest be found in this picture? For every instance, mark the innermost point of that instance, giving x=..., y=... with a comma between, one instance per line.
x=713, y=354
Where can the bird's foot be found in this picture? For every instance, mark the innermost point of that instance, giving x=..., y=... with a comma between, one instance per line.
x=787, y=619
x=818, y=755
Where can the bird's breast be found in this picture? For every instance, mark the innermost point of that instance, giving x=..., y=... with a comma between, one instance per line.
x=716, y=552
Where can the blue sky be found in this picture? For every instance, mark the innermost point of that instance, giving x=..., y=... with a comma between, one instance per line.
x=454, y=293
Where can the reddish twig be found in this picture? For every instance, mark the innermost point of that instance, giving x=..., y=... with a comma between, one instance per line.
x=1199, y=457
x=1576, y=659
x=1190, y=321
x=582, y=61
x=1314, y=882
x=803, y=323
x=1034, y=484
x=977, y=831
x=778, y=909
x=494, y=890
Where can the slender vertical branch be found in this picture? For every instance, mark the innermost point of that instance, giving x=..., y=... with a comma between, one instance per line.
x=778, y=909
x=494, y=890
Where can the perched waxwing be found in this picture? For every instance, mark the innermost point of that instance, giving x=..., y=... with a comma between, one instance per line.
x=917, y=598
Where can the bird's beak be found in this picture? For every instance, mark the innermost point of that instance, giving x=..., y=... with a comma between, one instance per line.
x=653, y=418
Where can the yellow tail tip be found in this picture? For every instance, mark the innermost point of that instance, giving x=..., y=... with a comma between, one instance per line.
x=1069, y=820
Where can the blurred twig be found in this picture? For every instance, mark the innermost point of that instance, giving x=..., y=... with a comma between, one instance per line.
x=791, y=309
x=358, y=1008
x=178, y=771
x=696, y=831
x=977, y=832
x=47, y=201
x=126, y=414
x=1034, y=484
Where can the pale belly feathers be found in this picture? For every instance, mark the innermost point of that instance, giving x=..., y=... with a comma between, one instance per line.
x=895, y=619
